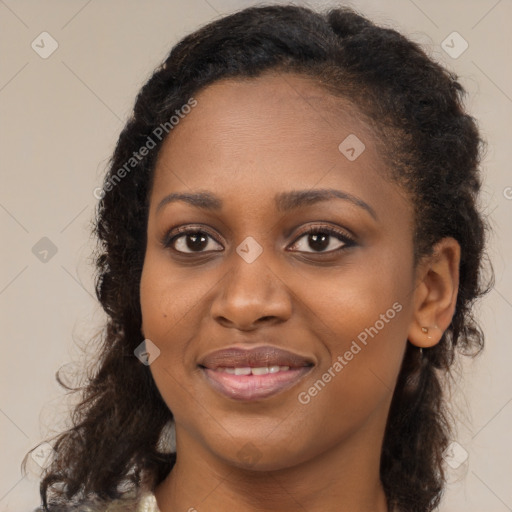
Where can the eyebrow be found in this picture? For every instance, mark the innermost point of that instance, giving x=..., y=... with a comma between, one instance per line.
x=285, y=201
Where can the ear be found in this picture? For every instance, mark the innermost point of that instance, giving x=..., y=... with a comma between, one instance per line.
x=435, y=294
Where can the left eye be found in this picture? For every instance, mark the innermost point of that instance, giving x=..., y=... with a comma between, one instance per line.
x=321, y=239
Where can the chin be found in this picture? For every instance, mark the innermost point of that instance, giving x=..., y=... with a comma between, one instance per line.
x=251, y=457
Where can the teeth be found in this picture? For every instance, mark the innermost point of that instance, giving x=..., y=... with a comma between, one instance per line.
x=260, y=371
x=254, y=371
x=243, y=371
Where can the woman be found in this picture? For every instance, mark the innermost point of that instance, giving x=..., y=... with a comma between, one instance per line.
x=290, y=249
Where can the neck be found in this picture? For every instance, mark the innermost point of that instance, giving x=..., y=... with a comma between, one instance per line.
x=344, y=478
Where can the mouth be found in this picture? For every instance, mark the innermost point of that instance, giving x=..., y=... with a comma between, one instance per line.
x=254, y=374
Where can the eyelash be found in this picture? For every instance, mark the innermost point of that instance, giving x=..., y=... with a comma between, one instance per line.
x=347, y=240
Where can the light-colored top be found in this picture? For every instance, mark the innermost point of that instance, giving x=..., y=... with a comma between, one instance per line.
x=148, y=503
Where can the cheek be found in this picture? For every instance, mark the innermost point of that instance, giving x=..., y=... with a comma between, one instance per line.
x=165, y=301
x=167, y=296
x=366, y=314
x=357, y=379
x=163, y=304
x=364, y=301
x=174, y=305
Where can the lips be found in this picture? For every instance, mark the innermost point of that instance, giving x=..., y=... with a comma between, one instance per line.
x=257, y=357
x=253, y=374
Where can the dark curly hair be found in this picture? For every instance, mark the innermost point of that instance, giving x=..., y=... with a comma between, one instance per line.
x=433, y=150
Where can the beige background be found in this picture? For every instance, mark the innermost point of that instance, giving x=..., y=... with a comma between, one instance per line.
x=60, y=118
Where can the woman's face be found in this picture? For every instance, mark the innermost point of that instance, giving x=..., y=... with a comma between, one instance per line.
x=339, y=299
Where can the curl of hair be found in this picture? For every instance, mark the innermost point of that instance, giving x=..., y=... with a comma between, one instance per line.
x=433, y=150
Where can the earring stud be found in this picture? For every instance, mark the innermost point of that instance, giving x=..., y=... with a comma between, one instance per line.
x=425, y=330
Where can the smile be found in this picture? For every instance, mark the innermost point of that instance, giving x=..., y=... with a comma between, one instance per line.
x=248, y=384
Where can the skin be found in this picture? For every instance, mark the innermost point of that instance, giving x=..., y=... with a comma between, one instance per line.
x=245, y=141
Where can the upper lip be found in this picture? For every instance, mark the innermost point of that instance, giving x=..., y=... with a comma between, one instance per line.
x=236, y=357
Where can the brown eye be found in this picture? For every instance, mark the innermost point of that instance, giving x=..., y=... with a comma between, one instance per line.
x=323, y=240
x=191, y=241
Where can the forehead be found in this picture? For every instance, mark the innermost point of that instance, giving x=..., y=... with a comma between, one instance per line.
x=270, y=105
x=270, y=134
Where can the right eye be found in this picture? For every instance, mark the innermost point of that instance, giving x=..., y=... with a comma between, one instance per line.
x=189, y=241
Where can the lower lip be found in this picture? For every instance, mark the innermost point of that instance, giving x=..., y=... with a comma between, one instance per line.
x=254, y=387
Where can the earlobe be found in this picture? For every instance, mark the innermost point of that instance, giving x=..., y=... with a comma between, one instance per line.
x=425, y=330
x=435, y=295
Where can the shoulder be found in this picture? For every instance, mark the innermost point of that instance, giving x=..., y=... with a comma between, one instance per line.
x=146, y=502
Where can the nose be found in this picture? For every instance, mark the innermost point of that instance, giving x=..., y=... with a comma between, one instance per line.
x=251, y=294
